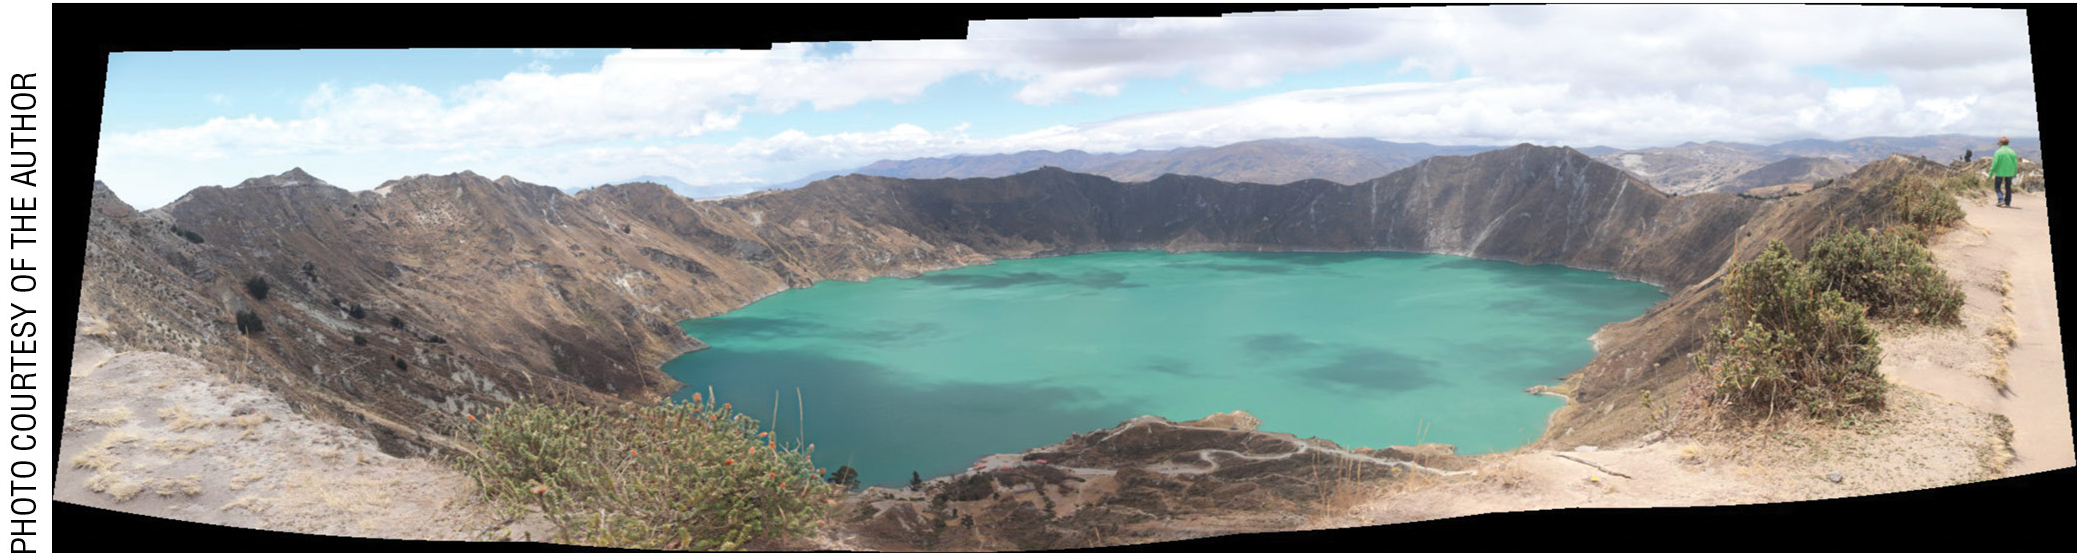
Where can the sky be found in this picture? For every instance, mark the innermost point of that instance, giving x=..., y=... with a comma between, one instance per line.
x=722, y=120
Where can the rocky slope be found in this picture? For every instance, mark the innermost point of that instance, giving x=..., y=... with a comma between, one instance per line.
x=1735, y=167
x=1146, y=480
x=501, y=289
x=1803, y=170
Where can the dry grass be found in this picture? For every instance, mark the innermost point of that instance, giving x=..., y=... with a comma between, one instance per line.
x=249, y=503
x=190, y=485
x=1692, y=454
x=180, y=446
x=101, y=457
x=2002, y=337
x=238, y=482
x=1998, y=454
x=97, y=459
x=116, y=486
x=179, y=418
x=104, y=418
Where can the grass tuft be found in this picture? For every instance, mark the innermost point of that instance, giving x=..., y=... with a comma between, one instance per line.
x=679, y=476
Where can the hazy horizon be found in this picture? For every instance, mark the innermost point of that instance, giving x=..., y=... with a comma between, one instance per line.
x=1619, y=76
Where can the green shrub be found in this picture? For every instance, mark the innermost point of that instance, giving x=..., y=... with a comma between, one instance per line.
x=190, y=236
x=356, y=311
x=1890, y=273
x=257, y=286
x=249, y=323
x=684, y=476
x=1922, y=205
x=358, y=340
x=1787, y=342
x=1961, y=184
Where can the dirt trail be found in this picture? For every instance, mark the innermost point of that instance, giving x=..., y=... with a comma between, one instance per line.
x=2038, y=402
x=1942, y=425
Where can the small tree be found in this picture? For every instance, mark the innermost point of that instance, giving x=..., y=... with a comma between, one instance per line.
x=249, y=323
x=844, y=475
x=915, y=480
x=356, y=312
x=358, y=340
x=257, y=286
x=395, y=322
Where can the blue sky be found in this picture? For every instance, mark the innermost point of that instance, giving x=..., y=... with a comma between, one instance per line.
x=1624, y=76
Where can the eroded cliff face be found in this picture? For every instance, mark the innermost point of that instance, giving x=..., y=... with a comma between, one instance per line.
x=505, y=289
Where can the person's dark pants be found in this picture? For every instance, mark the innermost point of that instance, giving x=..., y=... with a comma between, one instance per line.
x=2003, y=186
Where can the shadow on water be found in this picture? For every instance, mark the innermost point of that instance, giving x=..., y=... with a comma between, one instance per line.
x=1269, y=347
x=880, y=332
x=1311, y=258
x=1096, y=279
x=1360, y=371
x=852, y=404
x=1171, y=366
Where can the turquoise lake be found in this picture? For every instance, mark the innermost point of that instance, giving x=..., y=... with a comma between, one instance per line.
x=927, y=374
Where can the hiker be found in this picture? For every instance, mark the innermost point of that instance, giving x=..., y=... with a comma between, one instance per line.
x=2003, y=166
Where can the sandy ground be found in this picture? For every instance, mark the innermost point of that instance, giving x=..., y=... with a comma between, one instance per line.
x=1946, y=422
x=161, y=435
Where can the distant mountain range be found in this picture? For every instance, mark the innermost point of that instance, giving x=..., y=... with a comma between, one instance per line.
x=1688, y=168
x=1732, y=167
x=1270, y=161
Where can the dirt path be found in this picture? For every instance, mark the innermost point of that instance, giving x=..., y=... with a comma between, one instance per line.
x=2037, y=402
x=1942, y=427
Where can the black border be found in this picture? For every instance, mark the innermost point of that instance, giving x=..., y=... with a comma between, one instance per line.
x=2012, y=514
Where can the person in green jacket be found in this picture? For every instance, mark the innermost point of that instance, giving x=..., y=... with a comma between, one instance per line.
x=2003, y=166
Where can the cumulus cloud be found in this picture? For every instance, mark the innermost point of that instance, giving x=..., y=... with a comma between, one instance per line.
x=1626, y=76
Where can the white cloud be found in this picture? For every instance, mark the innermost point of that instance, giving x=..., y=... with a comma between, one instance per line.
x=548, y=53
x=1582, y=75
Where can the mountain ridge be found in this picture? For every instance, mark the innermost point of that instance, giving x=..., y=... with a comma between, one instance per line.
x=533, y=292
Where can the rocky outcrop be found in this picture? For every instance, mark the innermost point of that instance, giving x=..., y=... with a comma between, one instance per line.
x=402, y=308
x=1146, y=480
x=1803, y=170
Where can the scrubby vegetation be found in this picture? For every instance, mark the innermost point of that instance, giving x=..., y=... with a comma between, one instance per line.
x=1787, y=342
x=1923, y=205
x=1961, y=184
x=257, y=286
x=683, y=476
x=1890, y=272
x=192, y=237
x=249, y=323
